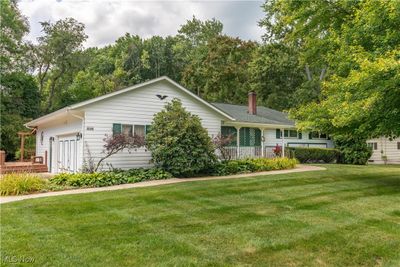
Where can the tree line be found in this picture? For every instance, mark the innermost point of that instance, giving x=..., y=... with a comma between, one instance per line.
x=334, y=65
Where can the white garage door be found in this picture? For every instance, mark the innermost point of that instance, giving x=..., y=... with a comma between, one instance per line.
x=67, y=154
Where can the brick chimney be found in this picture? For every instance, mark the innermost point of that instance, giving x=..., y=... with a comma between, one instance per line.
x=252, y=103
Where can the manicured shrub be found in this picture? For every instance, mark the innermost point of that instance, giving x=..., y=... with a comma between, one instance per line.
x=354, y=150
x=179, y=143
x=99, y=179
x=252, y=165
x=21, y=183
x=315, y=155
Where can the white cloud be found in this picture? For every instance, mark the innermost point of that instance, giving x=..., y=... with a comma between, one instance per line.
x=106, y=21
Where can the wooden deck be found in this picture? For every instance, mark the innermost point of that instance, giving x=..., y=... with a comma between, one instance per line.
x=9, y=167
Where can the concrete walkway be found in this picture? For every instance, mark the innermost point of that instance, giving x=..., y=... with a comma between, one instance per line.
x=299, y=168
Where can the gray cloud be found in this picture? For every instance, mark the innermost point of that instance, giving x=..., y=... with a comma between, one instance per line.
x=105, y=21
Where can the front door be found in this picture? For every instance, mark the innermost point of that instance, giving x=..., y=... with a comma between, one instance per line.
x=67, y=154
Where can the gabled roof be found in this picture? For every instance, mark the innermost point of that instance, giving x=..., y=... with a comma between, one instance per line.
x=264, y=115
x=130, y=88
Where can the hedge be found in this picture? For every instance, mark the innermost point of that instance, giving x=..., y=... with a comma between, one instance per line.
x=315, y=155
x=252, y=165
x=99, y=179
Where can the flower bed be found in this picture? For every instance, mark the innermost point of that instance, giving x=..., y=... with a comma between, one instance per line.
x=253, y=165
x=24, y=183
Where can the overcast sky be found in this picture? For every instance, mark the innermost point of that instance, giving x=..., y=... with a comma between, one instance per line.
x=105, y=21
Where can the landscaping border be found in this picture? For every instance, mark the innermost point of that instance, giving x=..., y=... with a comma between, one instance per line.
x=299, y=168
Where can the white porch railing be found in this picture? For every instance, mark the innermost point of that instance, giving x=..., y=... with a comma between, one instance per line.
x=247, y=152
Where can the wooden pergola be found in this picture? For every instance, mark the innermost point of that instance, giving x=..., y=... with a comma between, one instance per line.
x=22, y=136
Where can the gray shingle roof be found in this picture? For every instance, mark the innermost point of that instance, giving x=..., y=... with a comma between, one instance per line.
x=264, y=115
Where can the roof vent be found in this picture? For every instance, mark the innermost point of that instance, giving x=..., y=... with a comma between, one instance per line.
x=252, y=103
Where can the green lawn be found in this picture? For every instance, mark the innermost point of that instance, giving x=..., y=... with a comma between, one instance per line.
x=345, y=216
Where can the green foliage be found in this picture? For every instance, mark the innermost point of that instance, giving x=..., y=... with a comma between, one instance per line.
x=13, y=27
x=20, y=100
x=252, y=165
x=20, y=94
x=309, y=155
x=276, y=74
x=357, y=41
x=354, y=150
x=221, y=72
x=21, y=183
x=99, y=179
x=178, y=142
x=58, y=57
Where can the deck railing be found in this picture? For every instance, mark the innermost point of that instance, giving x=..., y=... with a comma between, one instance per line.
x=232, y=153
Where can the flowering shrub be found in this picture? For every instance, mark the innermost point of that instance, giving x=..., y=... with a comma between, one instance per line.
x=277, y=150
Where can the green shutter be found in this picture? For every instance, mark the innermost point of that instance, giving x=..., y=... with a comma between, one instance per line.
x=117, y=128
x=147, y=129
x=310, y=135
x=257, y=137
x=300, y=135
x=242, y=135
x=278, y=134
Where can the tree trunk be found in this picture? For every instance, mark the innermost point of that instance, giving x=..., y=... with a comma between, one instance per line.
x=309, y=76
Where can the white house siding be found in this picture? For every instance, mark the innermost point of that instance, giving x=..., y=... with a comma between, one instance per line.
x=272, y=141
x=137, y=107
x=67, y=126
x=385, y=147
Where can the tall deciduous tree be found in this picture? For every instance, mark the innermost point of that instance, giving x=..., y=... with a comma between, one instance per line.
x=276, y=75
x=362, y=96
x=19, y=103
x=57, y=55
x=222, y=73
x=13, y=28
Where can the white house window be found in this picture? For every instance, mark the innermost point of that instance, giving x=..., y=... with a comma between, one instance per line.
x=373, y=145
x=398, y=145
x=125, y=129
x=317, y=135
x=140, y=130
x=288, y=134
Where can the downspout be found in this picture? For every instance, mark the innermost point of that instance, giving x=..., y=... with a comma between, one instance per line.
x=82, y=132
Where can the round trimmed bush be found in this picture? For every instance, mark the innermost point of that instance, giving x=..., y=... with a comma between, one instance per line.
x=179, y=143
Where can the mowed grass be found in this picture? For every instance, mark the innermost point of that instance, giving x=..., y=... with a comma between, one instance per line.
x=345, y=216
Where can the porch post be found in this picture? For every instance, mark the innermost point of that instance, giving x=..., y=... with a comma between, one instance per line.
x=21, y=157
x=237, y=142
x=283, y=142
x=262, y=142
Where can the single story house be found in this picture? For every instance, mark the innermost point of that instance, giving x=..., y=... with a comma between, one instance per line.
x=73, y=135
x=385, y=150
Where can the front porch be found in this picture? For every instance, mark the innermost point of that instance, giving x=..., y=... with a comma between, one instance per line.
x=248, y=141
x=233, y=153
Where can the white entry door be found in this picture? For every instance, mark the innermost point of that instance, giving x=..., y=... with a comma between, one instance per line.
x=67, y=154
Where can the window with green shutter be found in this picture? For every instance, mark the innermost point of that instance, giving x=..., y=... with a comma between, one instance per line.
x=278, y=134
x=229, y=130
x=250, y=136
x=148, y=129
x=117, y=128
